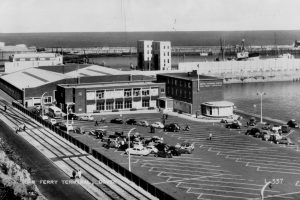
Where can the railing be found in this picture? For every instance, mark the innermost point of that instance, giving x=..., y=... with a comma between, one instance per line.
x=110, y=163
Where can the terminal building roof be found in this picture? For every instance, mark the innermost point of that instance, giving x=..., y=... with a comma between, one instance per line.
x=35, y=77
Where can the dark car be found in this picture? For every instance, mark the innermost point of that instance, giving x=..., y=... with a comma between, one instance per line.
x=131, y=121
x=173, y=127
x=292, y=123
x=174, y=151
x=117, y=121
x=59, y=124
x=266, y=126
x=253, y=131
x=285, y=129
x=163, y=154
x=234, y=125
x=252, y=122
x=71, y=116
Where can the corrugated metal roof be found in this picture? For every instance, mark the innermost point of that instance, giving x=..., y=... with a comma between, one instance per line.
x=32, y=77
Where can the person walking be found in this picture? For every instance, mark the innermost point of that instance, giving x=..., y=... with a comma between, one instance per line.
x=24, y=127
x=96, y=123
x=74, y=174
x=5, y=108
x=210, y=136
x=79, y=173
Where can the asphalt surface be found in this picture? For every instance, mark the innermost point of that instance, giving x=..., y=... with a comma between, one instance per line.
x=43, y=169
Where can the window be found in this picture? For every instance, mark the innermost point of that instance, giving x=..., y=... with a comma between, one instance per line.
x=127, y=92
x=119, y=105
x=47, y=58
x=168, y=60
x=175, y=82
x=136, y=92
x=109, y=105
x=162, y=90
x=128, y=104
x=17, y=59
x=145, y=103
x=48, y=99
x=145, y=91
x=100, y=106
x=27, y=59
x=100, y=94
x=189, y=84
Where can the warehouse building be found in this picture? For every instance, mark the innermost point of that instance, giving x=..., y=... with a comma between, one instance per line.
x=189, y=90
x=34, y=86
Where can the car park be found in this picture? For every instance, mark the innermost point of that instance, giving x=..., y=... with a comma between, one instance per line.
x=86, y=118
x=163, y=154
x=157, y=125
x=131, y=121
x=293, y=124
x=173, y=127
x=142, y=123
x=138, y=150
x=117, y=121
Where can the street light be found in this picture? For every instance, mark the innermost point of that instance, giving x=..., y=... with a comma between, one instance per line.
x=129, y=166
x=261, y=95
x=68, y=104
x=42, y=102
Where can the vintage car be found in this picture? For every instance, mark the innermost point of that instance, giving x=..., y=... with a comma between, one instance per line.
x=86, y=118
x=138, y=150
x=157, y=125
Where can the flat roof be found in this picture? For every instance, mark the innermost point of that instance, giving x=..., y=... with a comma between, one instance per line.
x=109, y=84
x=36, y=55
x=190, y=76
x=219, y=104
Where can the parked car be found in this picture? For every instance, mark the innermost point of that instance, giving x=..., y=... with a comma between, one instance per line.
x=157, y=125
x=138, y=150
x=234, y=125
x=266, y=126
x=58, y=124
x=292, y=123
x=152, y=149
x=227, y=120
x=252, y=131
x=285, y=129
x=52, y=121
x=71, y=116
x=66, y=127
x=86, y=118
x=173, y=127
x=117, y=121
x=186, y=145
x=111, y=144
x=276, y=128
x=285, y=140
x=275, y=137
x=131, y=121
x=142, y=123
x=163, y=154
x=174, y=151
x=252, y=122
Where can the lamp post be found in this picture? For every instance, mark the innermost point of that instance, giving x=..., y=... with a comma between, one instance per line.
x=42, y=103
x=129, y=165
x=198, y=77
x=261, y=95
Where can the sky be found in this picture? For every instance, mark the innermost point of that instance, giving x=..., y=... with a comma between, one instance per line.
x=18, y=16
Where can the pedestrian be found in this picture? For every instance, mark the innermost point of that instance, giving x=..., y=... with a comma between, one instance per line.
x=74, y=174
x=167, y=116
x=96, y=123
x=79, y=173
x=210, y=136
x=24, y=127
x=5, y=108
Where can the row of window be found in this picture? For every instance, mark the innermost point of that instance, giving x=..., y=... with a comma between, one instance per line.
x=119, y=105
x=32, y=59
x=179, y=83
x=119, y=93
x=179, y=93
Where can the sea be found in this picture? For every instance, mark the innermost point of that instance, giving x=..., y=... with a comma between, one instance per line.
x=281, y=99
x=177, y=38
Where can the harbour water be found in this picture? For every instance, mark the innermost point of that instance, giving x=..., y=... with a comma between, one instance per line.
x=281, y=99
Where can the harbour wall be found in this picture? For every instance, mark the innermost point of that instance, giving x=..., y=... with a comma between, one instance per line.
x=277, y=69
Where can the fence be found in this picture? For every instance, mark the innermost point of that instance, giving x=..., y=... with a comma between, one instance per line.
x=115, y=166
x=51, y=127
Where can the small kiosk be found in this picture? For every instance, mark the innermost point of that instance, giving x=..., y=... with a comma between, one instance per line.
x=217, y=109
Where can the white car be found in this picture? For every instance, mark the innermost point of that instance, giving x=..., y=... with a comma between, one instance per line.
x=157, y=125
x=142, y=123
x=138, y=150
x=276, y=128
x=152, y=149
x=52, y=121
x=86, y=118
